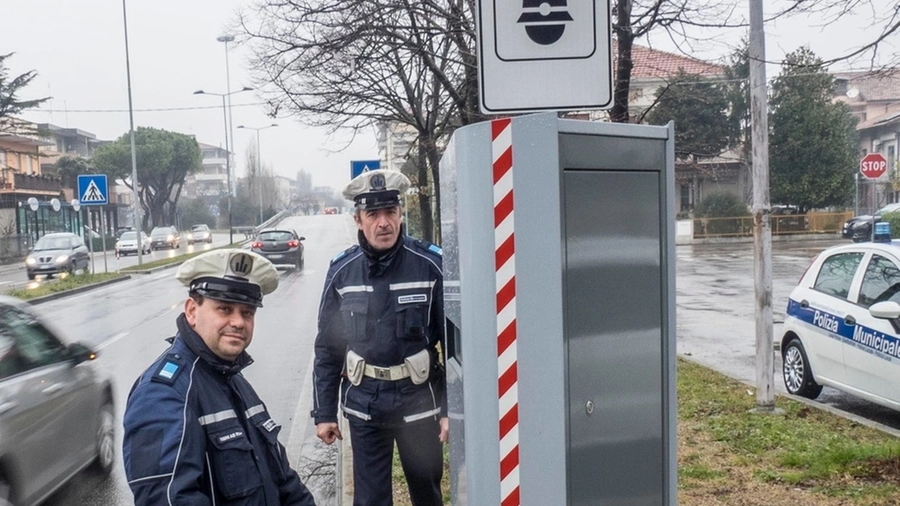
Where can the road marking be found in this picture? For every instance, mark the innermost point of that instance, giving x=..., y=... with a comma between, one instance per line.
x=110, y=341
x=299, y=426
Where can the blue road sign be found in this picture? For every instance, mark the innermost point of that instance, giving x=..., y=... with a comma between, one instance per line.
x=92, y=190
x=357, y=167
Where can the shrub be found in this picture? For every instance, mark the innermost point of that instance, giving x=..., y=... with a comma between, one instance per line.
x=894, y=220
x=721, y=205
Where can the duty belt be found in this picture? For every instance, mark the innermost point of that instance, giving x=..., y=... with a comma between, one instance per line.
x=392, y=373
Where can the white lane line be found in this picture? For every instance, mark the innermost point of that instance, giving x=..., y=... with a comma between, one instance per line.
x=300, y=423
x=111, y=340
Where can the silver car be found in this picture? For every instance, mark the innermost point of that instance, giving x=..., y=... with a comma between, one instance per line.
x=200, y=233
x=57, y=253
x=56, y=409
x=127, y=244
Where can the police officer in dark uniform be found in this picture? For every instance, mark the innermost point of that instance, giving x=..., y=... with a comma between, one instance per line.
x=380, y=322
x=196, y=433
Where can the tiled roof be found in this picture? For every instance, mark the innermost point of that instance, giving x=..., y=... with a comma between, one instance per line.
x=873, y=86
x=892, y=118
x=653, y=63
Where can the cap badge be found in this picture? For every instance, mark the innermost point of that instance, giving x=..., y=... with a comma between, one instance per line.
x=240, y=264
x=376, y=182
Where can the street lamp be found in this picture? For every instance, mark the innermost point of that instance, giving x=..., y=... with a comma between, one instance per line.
x=227, y=150
x=259, y=164
x=136, y=210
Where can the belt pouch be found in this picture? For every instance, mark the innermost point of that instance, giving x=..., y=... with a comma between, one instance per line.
x=419, y=366
x=356, y=365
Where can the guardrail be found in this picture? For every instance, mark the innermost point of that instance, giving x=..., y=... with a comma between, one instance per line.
x=791, y=224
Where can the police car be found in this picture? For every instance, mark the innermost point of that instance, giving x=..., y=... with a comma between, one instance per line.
x=842, y=325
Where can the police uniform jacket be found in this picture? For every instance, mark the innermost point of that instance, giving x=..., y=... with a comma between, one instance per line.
x=385, y=307
x=196, y=433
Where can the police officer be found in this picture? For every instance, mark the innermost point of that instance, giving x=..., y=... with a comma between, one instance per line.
x=196, y=433
x=380, y=322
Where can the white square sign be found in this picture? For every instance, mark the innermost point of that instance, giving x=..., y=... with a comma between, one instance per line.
x=544, y=55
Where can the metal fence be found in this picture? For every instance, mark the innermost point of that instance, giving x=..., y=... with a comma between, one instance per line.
x=793, y=224
x=13, y=248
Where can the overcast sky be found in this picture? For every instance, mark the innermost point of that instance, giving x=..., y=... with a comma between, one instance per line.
x=77, y=48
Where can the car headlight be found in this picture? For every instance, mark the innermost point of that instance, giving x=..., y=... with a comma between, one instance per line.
x=62, y=259
x=30, y=261
x=171, y=237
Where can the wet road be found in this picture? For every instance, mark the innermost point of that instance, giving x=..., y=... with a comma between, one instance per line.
x=715, y=312
x=129, y=321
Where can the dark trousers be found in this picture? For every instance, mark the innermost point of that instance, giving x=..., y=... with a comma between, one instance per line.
x=420, y=456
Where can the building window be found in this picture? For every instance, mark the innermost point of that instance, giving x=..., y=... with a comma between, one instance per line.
x=29, y=169
x=3, y=160
x=59, y=146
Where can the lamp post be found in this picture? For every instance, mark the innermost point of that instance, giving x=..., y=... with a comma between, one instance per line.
x=226, y=39
x=227, y=151
x=134, y=180
x=258, y=164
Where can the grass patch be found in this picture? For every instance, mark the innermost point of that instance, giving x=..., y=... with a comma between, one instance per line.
x=729, y=456
x=62, y=284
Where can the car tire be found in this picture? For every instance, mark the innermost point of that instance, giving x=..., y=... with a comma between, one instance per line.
x=31, y=276
x=7, y=496
x=796, y=372
x=106, y=441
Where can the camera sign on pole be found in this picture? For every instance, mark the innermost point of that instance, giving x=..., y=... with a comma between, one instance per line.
x=544, y=55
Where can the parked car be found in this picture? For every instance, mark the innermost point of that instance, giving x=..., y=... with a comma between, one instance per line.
x=199, y=233
x=127, y=244
x=842, y=325
x=859, y=228
x=280, y=246
x=57, y=253
x=330, y=210
x=57, y=412
x=165, y=237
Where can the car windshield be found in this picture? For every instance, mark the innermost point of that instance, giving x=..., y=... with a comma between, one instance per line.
x=160, y=232
x=129, y=236
x=48, y=243
x=276, y=236
x=199, y=228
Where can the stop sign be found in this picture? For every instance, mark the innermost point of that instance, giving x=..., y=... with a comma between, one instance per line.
x=873, y=166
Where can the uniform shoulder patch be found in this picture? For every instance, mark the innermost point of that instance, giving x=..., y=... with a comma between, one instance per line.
x=431, y=247
x=342, y=254
x=168, y=370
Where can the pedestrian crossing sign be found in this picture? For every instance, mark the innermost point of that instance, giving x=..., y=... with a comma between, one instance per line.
x=92, y=190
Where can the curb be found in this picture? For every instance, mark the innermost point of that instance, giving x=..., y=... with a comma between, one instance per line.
x=73, y=291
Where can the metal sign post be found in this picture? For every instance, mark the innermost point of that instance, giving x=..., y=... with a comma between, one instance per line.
x=93, y=191
x=357, y=167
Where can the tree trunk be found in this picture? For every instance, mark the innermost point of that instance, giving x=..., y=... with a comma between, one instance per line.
x=624, y=64
x=424, y=197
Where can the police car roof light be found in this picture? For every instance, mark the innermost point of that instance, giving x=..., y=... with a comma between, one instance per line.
x=882, y=232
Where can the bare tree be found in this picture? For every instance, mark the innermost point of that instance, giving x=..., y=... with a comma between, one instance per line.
x=352, y=65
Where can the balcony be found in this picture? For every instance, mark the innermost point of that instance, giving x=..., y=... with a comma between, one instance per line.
x=32, y=183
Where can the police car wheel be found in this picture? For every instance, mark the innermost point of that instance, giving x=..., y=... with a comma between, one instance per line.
x=106, y=441
x=798, y=378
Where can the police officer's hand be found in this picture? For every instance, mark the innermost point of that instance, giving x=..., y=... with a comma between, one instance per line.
x=445, y=429
x=328, y=432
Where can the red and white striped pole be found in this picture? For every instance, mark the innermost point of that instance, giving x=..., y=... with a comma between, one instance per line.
x=505, y=277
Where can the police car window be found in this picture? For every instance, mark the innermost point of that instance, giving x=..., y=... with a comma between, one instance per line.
x=837, y=273
x=881, y=282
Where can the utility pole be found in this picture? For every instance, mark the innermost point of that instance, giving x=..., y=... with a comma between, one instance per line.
x=762, y=233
